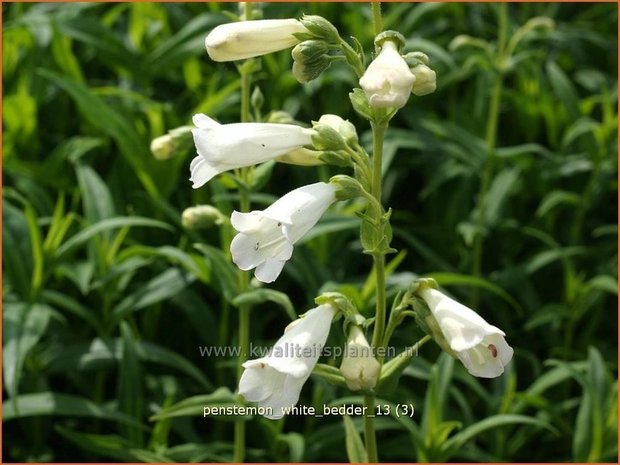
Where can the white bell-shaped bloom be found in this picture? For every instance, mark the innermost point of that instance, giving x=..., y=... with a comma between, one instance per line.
x=265, y=240
x=246, y=39
x=480, y=346
x=388, y=80
x=359, y=367
x=275, y=381
x=223, y=147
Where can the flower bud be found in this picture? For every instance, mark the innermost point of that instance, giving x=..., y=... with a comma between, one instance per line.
x=425, y=80
x=344, y=127
x=347, y=187
x=302, y=157
x=320, y=28
x=359, y=367
x=306, y=70
x=167, y=146
x=309, y=50
x=202, y=217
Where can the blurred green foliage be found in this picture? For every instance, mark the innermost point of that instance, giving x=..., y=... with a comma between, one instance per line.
x=106, y=299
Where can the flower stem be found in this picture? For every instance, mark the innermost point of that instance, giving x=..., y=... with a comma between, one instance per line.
x=244, y=279
x=377, y=21
x=491, y=142
x=378, y=132
x=369, y=429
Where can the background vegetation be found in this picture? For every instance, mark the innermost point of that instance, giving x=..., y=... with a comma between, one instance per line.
x=106, y=298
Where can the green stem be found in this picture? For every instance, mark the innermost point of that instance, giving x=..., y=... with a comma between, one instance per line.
x=377, y=21
x=378, y=131
x=244, y=278
x=491, y=141
x=369, y=429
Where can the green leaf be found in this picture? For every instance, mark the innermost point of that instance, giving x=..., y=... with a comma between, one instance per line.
x=104, y=225
x=223, y=272
x=194, y=406
x=604, y=282
x=130, y=377
x=107, y=445
x=52, y=403
x=86, y=356
x=356, y=452
x=259, y=296
x=161, y=287
x=554, y=199
x=563, y=89
x=23, y=325
x=96, y=196
x=492, y=422
x=17, y=260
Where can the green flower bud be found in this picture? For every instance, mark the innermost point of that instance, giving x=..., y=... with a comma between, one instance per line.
x=176, y=141
x=320, y=28
x=257, y=100
x=306, y=70
x=327, y=137
x=347, y=187
x=302, y=157
x=309, y=50
x=202, y=217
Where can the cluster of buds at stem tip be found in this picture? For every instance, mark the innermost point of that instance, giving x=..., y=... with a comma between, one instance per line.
x=247, y=39
x=390, y=79
x=461, y=332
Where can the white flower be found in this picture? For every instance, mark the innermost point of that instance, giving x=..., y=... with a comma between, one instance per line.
x=388, y=81
x=359, y=368
x=246, y=39
x=223, y=147
x=265, y=240
x=480, y=346
x=275, y=381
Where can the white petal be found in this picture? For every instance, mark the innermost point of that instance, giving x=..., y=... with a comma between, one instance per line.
x=201, y=172
x=269, y=270
x=202, y=121
x=246, y=222
x=245, y=252
x=259, y=382
x=504, y=351
x=286, y=397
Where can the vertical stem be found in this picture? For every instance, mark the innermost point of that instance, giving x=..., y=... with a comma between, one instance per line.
x=491, y=141
x=377, y=21
x=378, y=131
x=244, y=279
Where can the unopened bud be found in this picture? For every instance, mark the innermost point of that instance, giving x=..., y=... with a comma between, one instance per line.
x=302, y=157
x=167, y=146
x=425, y=80
x=348, y=187
x=202, y=217
x=306, y=70
x=309, y=50
x=320, y=28
x=359, y=367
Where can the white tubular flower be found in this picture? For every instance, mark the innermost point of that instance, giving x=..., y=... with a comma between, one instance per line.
x=223, y=147
x=359, y=368
x=480, y=346
x=246, y=39
x=388, y=81
x=275, y=381
x=265, y=240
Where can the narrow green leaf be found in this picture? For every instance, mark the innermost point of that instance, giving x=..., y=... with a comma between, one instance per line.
x=356, y=452
x=259, y=296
